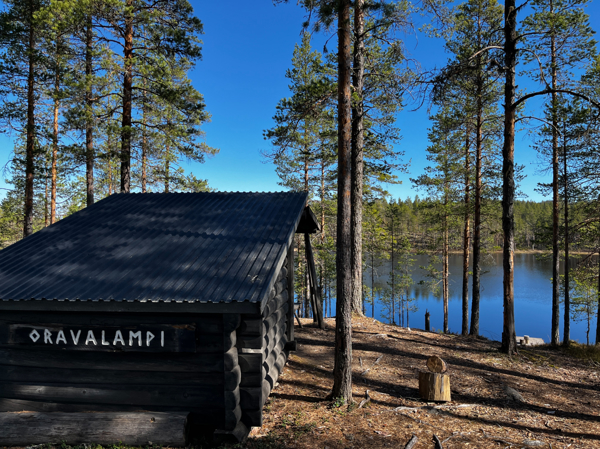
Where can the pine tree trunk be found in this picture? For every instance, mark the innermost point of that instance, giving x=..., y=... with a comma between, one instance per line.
x=127, y=98
x=357, y=159
x=30, y=143
x=54, y=143
x=89, y=128
x=598, y=315
x=167, y=170
x=555, y=338
x=342, y=371
x=509, y=339
x=466, y=240
x=474, y=331
x=445, y=263
x=567, y=316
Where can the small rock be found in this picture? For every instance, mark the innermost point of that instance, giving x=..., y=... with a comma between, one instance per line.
x=513, y=394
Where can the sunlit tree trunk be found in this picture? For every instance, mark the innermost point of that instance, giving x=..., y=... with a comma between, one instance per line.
x=342, y=371
x=89, y=128
x=127, y=99
x=357, y=158
x=554, y=337
x=30, y=131
x=567, y=316
x=466, y=239
x=509, y=339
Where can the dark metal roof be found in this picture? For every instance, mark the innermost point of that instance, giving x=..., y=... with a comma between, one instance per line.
x=157, y=247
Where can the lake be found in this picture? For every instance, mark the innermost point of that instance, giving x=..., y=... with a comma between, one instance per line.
x=533, y=297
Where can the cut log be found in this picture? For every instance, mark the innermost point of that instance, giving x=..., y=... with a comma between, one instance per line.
x=434, y=386
x=436, y=364
x=132, y=429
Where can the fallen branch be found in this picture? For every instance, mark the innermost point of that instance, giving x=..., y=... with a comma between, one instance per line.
x=411, y=443
x=366, y=400
x=438, y=443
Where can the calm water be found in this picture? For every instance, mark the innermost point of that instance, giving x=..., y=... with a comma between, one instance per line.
x=533, y=290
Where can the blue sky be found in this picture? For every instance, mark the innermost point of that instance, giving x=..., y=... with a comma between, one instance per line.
x=247, y=49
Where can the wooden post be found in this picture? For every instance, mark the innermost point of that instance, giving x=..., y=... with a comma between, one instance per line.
x=290, y=288
x=314, y=293
x=427, y=322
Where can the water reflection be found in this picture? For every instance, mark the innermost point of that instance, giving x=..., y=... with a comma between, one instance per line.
x=533, y=290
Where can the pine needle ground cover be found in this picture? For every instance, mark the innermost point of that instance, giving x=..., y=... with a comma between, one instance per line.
x=560, y=408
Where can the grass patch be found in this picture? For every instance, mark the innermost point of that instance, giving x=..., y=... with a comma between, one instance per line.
x=581, y=351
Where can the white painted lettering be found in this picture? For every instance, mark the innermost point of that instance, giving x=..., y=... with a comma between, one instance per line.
x=118, y=338
x=137, y=335
x=149, y=337
x=34, y=335
x=75, y=337
x=61, y=337
x=104, y=342
x=90, y=338
x=162, y=339
x=47, y=336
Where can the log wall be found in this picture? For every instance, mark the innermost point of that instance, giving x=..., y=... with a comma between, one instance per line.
x=203, y=379
x=262, y=340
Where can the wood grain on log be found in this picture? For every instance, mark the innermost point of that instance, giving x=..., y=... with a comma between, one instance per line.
x=436, y=364
x=132, y=429
x=434, y=386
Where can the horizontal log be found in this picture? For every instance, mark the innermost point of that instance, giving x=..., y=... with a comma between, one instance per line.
x=253, y=379
x=10, y=373
x=232, y=379
x=235, y=436
x=205, y=323
x=210, y=415
x=266, y=391
x=231, y=321
x=250, y=363
x=232, y=399
x=232, y=418
x=251, y=325
x=141, y=395
x=169, y=362
x=276, y=303
x=230, y=359
x=251, y=398
x=252, y=418
x=251, y=341
x=132, y=429
x=272, y=358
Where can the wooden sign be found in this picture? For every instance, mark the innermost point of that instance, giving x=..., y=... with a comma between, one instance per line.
x=141, y=338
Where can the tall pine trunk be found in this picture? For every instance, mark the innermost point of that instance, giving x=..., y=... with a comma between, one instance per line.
x=554, y=338
x=127, y=106
x=54, y=141
x=466, y=239
x=30, y=143
x=474, y=331
x=567, y=316
x=357, y=158
x=509, y=339
x=89, y=127
x=445, y=260
x=342, y=370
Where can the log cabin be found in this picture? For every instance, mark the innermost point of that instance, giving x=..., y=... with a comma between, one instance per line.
x=172, y=308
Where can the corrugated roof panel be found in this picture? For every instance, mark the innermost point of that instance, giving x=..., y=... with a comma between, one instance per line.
x=183, y=247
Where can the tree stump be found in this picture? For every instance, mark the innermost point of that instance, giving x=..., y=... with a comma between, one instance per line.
x=436, y=364
x=434, y=386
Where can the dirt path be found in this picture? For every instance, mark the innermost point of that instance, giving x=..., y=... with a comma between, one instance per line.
x=560, y=409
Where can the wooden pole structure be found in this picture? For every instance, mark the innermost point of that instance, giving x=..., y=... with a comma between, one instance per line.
x=314, y=291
